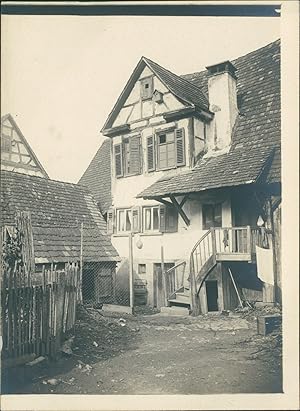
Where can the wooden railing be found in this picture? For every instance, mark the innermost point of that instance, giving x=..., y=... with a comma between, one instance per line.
x=202, y=250
x=232, y=240
x=175, y=279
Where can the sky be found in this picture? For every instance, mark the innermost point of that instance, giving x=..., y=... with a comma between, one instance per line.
x=61, y=75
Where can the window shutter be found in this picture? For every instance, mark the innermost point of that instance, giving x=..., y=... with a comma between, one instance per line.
x=162, y=218
x=136, y=221
x=110, y=221
x=118, y=160
x=180, y=147
x=135, y=158
x=150, y=153
x=171, y=220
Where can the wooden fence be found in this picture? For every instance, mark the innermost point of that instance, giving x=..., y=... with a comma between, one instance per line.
x=36, y=318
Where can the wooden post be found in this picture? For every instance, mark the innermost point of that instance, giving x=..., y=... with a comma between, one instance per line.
x=195, y=304
x=248, y=239
x=213, y=241
x=131, y=291
x=165, y=292
x=79, y=294
x=269, y=289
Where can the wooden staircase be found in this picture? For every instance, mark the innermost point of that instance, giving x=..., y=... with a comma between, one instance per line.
x=217, y=244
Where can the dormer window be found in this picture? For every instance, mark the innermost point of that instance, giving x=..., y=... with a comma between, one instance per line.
x=146, y=88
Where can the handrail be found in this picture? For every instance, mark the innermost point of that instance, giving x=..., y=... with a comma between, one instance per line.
x=175, y=266
x=199, y=241
x=174, y=280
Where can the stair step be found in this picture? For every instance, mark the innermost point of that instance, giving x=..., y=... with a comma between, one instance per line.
x=179, y=301
x=176, y=311
x=183, y=295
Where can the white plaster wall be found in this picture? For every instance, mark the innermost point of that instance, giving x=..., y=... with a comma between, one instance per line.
x=222, y=100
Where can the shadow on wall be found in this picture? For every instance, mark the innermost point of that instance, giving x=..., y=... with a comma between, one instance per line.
x=122, y=293
x=246, y=276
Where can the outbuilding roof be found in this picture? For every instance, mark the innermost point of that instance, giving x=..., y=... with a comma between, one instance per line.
x=57, y=211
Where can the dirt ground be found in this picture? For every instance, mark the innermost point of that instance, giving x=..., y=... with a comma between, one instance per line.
x=155, y=354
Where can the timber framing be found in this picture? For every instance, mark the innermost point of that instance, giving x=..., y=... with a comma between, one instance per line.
x=178, y=206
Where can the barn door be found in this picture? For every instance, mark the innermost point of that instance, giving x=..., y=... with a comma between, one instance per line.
x=158, y=290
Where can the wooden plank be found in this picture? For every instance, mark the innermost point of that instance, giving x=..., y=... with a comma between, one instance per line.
x=233, y=257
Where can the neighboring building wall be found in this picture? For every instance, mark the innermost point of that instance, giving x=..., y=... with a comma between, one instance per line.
x=277, y=232
x=16, y=154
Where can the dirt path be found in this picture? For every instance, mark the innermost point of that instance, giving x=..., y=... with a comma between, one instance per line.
x=159, y=355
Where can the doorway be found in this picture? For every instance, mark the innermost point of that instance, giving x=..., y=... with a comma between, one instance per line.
x=158, y=291
x=212, y=295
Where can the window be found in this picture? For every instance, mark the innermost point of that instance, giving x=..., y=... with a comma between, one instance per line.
x=212, y=215
x=128, y=157
x=160, y=218
x=151, y=219
x=141, y=269
x=170, y=149
x=147, y=88
x=124, y=220
x=5, y=144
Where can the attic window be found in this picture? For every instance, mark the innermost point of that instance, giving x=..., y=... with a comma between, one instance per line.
x=5, y=144
x=146, y=88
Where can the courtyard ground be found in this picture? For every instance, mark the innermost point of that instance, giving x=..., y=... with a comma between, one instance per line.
x=155, y=354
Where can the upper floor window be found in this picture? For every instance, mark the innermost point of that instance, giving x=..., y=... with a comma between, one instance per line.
x=146, y=88
x=128, y=157
x=166, y=150
x=148, y=219
x=212, y=215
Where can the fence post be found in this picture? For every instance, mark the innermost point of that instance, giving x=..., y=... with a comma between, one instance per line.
x=81, y=265
x=164, y=280
x=131, y=291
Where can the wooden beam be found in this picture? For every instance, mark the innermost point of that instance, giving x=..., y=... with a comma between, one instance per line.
x=180, y=210
x=162, y=200
x=183, y=200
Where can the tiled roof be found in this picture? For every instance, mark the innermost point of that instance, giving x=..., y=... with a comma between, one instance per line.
x=179, y=86
x=57, y=244
x=57, y=211
x=228, y=170
x=97, y=177
x=256, y=132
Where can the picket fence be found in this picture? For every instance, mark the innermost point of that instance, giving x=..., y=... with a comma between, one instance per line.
x=37, y=315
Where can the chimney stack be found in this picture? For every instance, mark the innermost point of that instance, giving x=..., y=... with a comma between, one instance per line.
x=222, y=96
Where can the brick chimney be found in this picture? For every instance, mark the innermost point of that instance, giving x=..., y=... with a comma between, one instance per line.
x=222, y=96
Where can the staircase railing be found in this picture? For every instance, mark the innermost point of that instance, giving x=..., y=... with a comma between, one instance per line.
x=202, y=251
x=175, y=279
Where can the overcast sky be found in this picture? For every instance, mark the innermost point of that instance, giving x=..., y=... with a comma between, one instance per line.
x=62, y=75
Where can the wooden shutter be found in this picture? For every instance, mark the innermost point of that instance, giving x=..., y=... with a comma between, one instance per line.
x=136, y=220
x=110, y=221
x=135, y=155
x=180, y=147
x=150, y=153
x=118, y=160
x=162, y=218
x=171, y=220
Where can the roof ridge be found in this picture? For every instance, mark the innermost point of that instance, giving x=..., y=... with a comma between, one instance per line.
x=178, y=76
x=234, y=59
x=44, y=179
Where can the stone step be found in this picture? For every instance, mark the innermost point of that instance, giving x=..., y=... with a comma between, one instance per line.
x=177, y=311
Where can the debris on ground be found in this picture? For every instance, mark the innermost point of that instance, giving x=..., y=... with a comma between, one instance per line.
x=122, y=322
x=35, y=361
x=67, y=346
x=95, y=344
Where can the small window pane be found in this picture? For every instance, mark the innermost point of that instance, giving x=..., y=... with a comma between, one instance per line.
x=142, y=268
x=121, y=220
x=147, y=218
x=170, y=137
x=155, y=219
x=162, y=139
x=128, y=220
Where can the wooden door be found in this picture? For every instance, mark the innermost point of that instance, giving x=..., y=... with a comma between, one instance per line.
x=158, y=285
